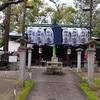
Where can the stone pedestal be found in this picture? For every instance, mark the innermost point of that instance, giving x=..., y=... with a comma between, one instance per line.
x=54, y=59
x=54, y=66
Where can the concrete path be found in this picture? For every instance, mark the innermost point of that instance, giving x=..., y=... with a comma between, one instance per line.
x=55, y=87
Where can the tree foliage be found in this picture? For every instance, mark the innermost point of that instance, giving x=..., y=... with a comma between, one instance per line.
x=1, y=41
x=84, y=17
x=17, y=14
x=63, y=15
x=40, y=13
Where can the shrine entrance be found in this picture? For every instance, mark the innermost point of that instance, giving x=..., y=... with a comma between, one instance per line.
x=61, y=53
x=44, y=37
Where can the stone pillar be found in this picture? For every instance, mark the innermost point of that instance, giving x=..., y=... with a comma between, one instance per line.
x=91, y=60
x=79, y=61
x=79, y=52
x=22, y=65
x=29, y=58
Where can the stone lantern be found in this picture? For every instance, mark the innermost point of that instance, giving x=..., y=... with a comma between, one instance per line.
x=22, y=42
x=79, y=52
x=22, y=63
x=91, y=61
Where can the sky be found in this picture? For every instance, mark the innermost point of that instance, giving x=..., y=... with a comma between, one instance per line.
x=65, y=1
x=69, y=2
x=1, y=17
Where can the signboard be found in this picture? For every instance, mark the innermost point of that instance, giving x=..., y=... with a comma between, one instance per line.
x=57, y=35
x=12, y=58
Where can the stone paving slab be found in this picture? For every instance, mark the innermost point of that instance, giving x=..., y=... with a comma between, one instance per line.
x=8, y=83
x=55, y=87
x=12, y=74
x=6, y=88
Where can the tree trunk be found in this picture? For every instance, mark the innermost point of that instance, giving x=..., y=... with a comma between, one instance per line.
x=7, y=28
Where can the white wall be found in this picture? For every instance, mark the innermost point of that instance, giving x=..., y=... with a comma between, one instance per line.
x=14, y=46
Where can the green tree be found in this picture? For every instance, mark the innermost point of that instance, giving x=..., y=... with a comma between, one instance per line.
x=37, y=14
x=63, y=15
x=5, y=5
x=15, y=16
x=83, y=17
